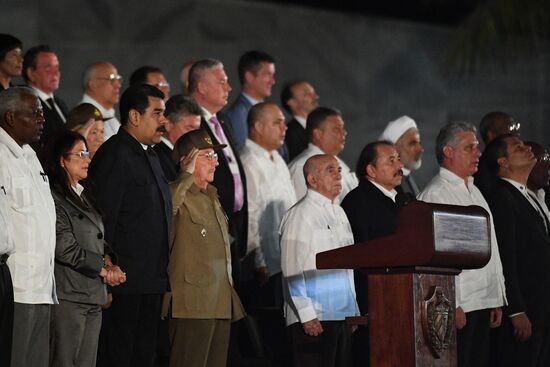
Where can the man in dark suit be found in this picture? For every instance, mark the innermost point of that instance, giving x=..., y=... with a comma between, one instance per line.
x=524, y=244
x=257, y=76
x=41, y=72
x=133, y=195
x=184, y=115
x=298, y=98
x=372, y=213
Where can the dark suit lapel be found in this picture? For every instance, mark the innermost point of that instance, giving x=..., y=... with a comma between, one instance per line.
x=91, y=214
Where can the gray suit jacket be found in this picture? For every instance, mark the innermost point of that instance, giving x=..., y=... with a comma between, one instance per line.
x=79, y=250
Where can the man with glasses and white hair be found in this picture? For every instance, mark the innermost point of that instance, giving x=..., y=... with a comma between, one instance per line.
x=102, y=83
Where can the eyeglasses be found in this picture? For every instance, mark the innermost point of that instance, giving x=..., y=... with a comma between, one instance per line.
x=82, y=154
x=211, y=156
x=162, y=85
x=545, y=158
x=514, y=126
x=111, y=78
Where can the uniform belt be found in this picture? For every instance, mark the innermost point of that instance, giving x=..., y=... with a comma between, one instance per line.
x=3, y=258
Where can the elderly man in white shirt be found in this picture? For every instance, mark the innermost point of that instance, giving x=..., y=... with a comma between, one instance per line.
x=7, y=248
x=317, y=301
x=32, y=213
x=102, y=85
x=270, y=193
x=327, y=135
x=480, y=293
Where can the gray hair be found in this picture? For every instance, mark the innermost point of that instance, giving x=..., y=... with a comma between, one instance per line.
x=198, y=69
x=448, y=136
x=10, y=97
x=89, y=72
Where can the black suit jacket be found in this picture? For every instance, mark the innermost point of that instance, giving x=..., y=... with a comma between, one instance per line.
x=169, y=168
x=371, y=215
x=131, y=191
x=524, y=248
x=296, y=139
x=52, y=124
x=223, y=181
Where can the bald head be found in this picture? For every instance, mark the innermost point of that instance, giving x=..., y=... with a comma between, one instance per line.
x=102, y=82
x=266, y=125
x=323, y=175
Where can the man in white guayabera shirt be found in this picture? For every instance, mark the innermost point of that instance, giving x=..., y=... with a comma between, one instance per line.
x=32, y=214
x=480, y=293
x=317, y=301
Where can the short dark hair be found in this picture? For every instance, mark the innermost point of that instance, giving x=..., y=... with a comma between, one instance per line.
x=250, y=61
x=368, y=155
x=495, y=149
x=59, y=148
x=286, y=94
x=139, y=76
x=198, y=68
x=8, y=43
x=317, y=117
x=488, y=123
x=29, y=59
x=179, y=104
x=136, y=97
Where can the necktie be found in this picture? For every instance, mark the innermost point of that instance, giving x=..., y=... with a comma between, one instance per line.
x=51, y=102
x=238, y=191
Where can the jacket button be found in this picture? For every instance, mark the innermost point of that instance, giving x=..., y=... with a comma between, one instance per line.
x=100, y=236
x=80, y=216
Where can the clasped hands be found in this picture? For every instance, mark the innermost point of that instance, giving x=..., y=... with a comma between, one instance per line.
x=112, y=274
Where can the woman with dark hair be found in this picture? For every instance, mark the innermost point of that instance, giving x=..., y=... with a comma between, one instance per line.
x=83, y=262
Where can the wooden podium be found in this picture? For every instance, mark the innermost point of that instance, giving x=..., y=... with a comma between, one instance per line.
x=411, y=277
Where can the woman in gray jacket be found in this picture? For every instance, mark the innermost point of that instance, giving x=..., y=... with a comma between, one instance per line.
x=82, y=261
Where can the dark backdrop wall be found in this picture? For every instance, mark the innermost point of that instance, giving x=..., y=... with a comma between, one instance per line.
x=374, y=70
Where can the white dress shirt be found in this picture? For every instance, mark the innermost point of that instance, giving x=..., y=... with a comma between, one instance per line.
x=6, y=233
x=110, y=126
x=296, y=167
x=311, y=226
x=32, y=215
x=270, y=194
x=476, y=289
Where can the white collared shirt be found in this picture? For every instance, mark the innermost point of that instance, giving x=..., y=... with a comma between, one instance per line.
x=270, y=195
x=531, y=198
x=476, y=289
x=296, y=168
x=32, y=215
x=252, y=101
x=110, y=126
x=302, y=121
x=167, y=142
x=391, y=194
x=313, y=225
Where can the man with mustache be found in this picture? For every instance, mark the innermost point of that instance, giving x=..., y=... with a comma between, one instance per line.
x=372, y=213
x=41, y=72
x=130, y=189
x=32, y=214
x=403, y=132
x=480, y=293
x=522, y=230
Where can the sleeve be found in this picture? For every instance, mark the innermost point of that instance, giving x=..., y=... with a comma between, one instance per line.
x=505, y=219
x=69, y=252
x=255, y=206
x=295, y=246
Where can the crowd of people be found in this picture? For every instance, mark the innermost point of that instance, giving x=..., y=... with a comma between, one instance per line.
x=182, y=231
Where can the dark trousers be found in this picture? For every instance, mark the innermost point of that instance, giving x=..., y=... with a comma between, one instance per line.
x=508, y=352
x=330, y=349
x=129, y=331
x=473, y=340
x=6, y=315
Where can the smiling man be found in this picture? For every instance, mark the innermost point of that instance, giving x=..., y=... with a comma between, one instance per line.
x=480, y=293
x=133, y=194
x=32, y=213
x=41, y=72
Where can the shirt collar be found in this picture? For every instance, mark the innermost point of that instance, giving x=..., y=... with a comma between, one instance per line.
x=43, y=96
x=207, y=114
x=257, y=149
x=455, y=179
x=167, y=142
x=17, y=151
x=406, y=171
x=318, y=198
x=78, y=188
x=106, y=113
x=521, y=187
x=252, y=101
x=302, y=121
x=391, y=194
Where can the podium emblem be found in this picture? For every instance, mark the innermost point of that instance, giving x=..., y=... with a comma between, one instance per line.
x=438, y=321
